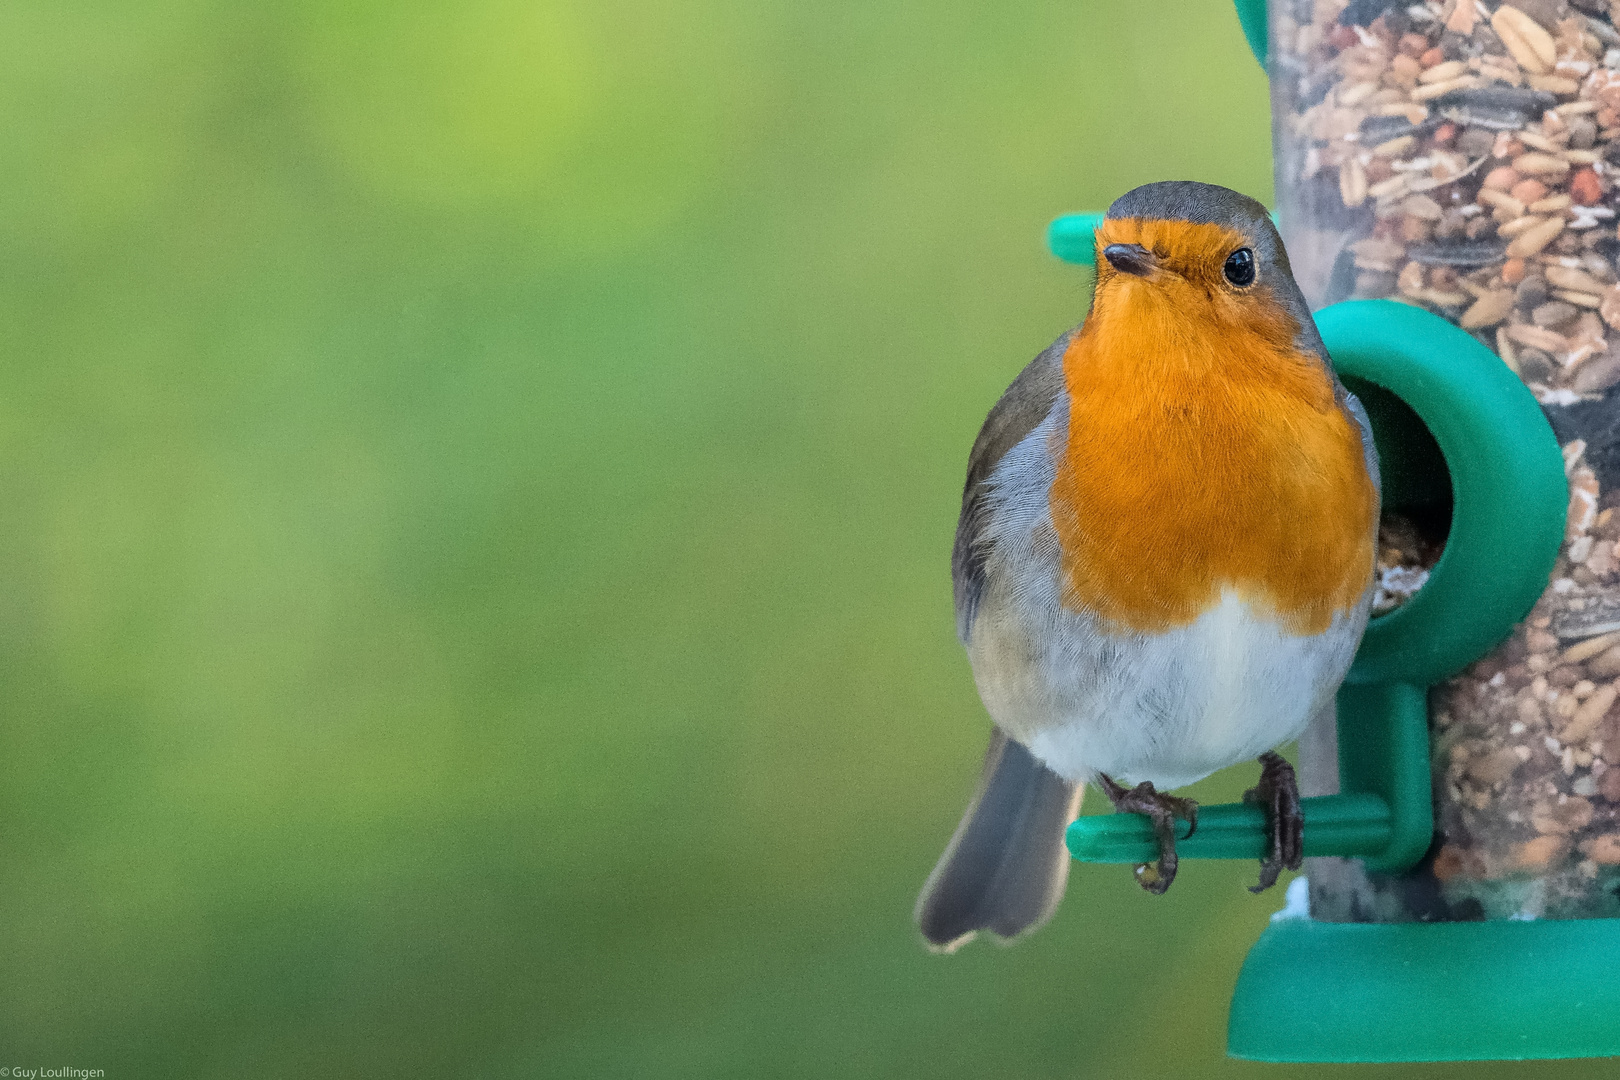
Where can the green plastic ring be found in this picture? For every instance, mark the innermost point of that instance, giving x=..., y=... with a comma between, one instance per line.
x=1509, y=494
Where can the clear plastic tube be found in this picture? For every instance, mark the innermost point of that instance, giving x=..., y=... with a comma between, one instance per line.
x=1462, y=157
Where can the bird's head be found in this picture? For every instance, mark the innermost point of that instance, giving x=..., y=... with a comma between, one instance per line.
x=1185, y=254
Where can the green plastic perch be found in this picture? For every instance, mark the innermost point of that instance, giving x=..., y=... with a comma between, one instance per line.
x=1338, y=825
x=1072, y=237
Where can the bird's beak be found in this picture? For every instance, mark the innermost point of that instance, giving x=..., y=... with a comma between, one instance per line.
x=1133, y=259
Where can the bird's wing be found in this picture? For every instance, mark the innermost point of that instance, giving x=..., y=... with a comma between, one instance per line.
x=1024, y=405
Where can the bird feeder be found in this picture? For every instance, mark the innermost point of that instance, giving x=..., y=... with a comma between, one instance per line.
x=1445, y=191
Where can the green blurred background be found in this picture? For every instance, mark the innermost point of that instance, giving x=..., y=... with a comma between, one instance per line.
x=478, y=480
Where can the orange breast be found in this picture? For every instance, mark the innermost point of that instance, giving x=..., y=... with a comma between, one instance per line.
x=1202, y=458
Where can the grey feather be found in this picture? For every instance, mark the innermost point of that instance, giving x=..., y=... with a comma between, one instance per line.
x=1005, y=868
x=1022, y=407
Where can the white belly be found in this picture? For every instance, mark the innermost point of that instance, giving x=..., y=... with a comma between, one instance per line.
x=1170, y=708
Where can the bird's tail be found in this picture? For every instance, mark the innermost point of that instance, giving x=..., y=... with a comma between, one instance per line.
x=1005, y=868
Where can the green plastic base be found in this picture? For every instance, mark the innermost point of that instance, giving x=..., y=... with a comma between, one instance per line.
x=1474, y=991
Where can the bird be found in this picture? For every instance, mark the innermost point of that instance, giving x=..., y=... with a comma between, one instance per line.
x=1164, y=560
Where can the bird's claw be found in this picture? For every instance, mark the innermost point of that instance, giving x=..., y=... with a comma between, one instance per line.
x=1162, y=810
x=1278, y=793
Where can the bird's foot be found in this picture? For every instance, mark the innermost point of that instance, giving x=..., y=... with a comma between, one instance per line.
x=1162, y=810
x=1285, y=825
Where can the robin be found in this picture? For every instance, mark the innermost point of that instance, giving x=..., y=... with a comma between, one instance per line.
x=1164, y=560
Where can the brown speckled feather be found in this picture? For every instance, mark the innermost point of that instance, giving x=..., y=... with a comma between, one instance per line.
x=1021, y=409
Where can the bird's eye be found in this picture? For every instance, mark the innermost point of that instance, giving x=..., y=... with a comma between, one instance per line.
x=1240, y=267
